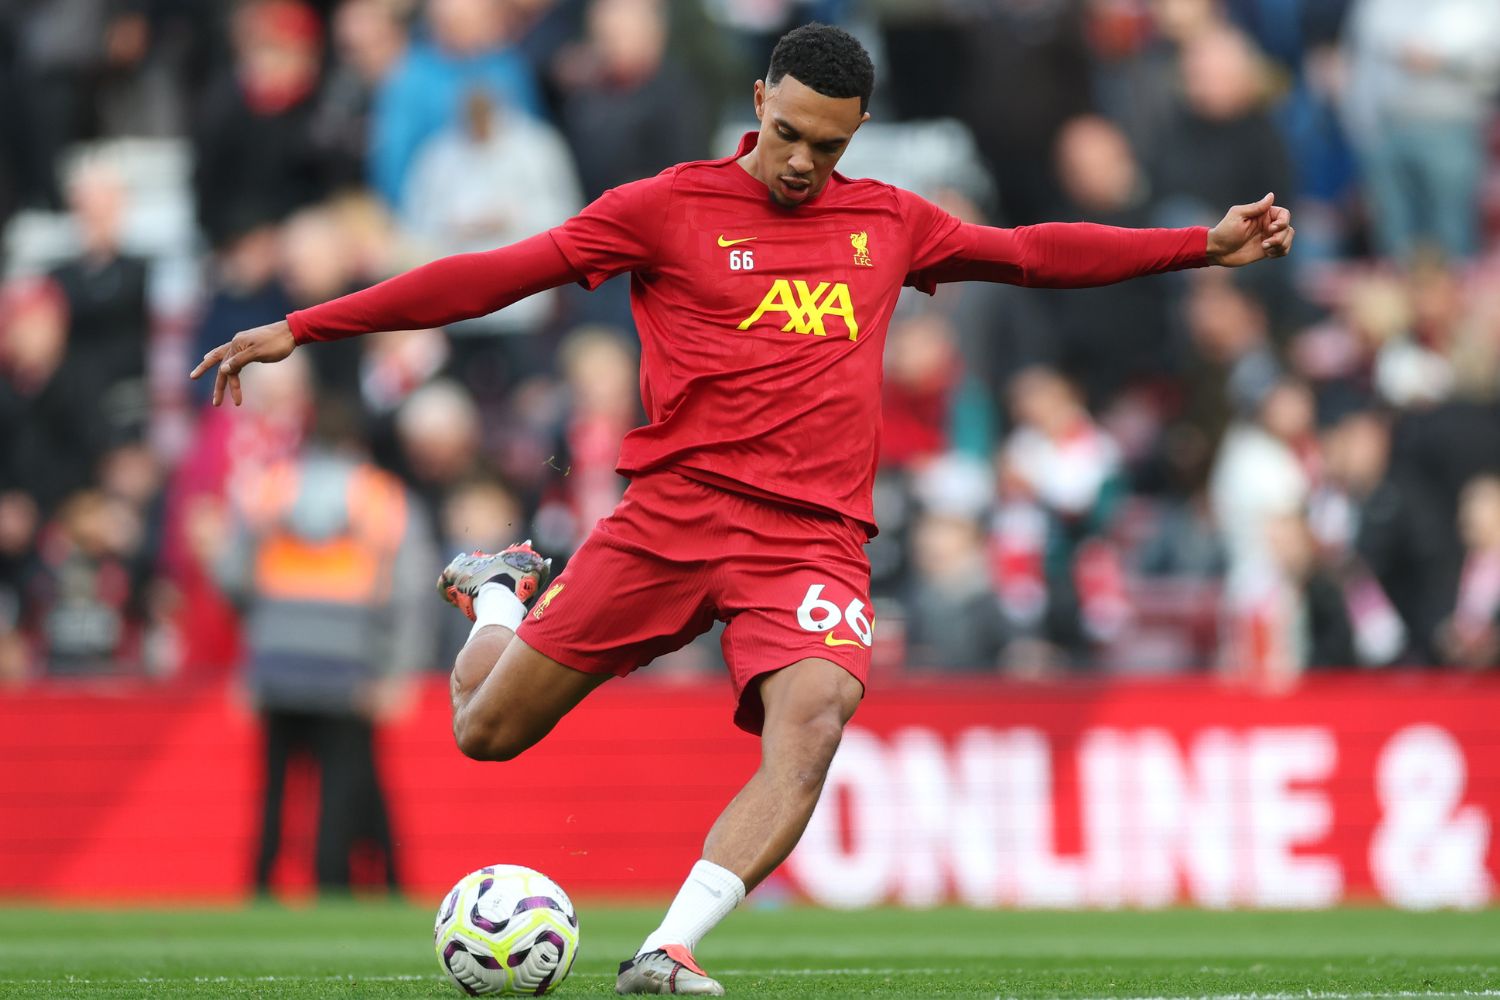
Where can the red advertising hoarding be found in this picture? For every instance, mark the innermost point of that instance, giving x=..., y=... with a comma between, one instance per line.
x=1146, y=793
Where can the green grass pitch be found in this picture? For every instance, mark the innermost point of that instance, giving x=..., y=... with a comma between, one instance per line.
x=380, y=950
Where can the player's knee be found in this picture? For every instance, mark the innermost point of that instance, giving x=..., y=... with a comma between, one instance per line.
x=824, y=734
x=490, y=741
x=817, y=741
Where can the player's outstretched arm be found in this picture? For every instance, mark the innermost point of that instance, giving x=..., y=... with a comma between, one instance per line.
x=265, y=344
x=1253, y=232
x=445, y=291
x=1086, y=254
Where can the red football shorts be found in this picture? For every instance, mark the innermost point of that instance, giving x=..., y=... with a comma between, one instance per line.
x=677, y=554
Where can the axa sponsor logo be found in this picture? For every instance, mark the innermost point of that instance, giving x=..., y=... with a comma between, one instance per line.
x=808, y=307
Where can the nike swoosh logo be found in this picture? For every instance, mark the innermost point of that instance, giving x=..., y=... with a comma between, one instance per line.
x=729, y=243
x=829, y=640
x=716, y=893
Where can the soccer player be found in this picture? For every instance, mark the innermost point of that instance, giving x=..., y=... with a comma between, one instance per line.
x=761, y=286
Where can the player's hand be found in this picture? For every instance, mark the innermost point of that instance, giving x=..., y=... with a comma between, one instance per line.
x=265, y=344
x=1250, y=233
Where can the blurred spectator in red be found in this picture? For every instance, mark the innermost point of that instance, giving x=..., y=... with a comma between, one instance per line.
x=369, y=40
x=468, y=46
x=1470, y=636
x=231, y=447
x=254, y=148
x=929, y=404
x=1422, y=78
x=396, y=364
x=1058, y=575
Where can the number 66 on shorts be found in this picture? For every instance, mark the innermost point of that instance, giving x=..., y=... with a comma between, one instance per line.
x=816, y=614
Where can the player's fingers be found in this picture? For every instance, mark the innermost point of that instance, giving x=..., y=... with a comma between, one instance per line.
x=219, y=379
x=1278, y=245
x=236, y=359
x=1255, y=208
x=209, y=360
x=234, y=390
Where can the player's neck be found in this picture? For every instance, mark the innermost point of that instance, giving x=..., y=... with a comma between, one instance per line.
x=751, y=164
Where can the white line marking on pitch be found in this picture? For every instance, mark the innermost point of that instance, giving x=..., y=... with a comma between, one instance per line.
x=1304, y=995
x=1317, y=995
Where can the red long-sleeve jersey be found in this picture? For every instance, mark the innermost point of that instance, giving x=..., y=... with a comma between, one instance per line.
x=761, y=327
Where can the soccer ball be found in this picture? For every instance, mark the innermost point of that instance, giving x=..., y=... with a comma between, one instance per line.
x=506, y=929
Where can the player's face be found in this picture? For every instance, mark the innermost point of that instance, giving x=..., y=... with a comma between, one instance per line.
x=802, y=135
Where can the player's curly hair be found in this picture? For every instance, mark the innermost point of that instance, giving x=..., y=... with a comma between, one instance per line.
x=827, y=59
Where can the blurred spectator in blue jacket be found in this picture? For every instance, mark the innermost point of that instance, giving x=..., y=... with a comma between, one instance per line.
x=468, y=47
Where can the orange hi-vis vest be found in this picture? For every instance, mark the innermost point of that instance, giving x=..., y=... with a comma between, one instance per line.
x=353, y=567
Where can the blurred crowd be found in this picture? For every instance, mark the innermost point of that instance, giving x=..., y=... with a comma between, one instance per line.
x=1265, y=472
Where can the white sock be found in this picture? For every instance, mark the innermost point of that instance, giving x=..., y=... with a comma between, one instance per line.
x=497, y=604
x=707, y=896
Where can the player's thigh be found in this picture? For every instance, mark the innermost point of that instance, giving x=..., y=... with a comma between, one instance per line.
x=521, y=700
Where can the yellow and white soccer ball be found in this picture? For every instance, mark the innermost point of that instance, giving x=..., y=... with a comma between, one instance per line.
x=506, y=929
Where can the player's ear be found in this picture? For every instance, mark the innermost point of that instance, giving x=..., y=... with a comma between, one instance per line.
x=760, y=99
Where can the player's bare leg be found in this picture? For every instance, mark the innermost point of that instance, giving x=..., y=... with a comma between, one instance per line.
x=807, y=706
x=506, y=695
x=521, y=696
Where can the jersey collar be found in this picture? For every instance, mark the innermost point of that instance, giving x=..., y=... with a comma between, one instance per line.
x=748, y=142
